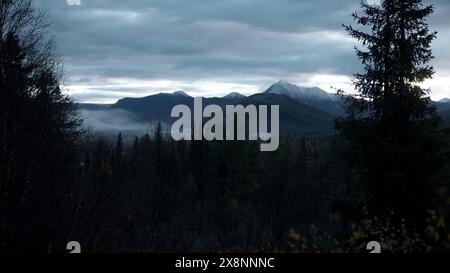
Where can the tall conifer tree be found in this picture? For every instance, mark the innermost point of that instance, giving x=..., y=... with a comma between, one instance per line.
x=391, y=127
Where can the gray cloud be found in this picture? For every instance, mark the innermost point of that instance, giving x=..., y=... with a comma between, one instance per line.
x=221, y=41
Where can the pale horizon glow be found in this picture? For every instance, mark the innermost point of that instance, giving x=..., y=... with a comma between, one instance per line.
x=329, y=83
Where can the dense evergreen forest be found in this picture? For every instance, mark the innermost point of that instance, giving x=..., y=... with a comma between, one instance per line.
x=384, y=175
x=158, y=195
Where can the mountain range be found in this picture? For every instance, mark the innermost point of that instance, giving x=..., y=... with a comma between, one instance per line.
x=304, y=111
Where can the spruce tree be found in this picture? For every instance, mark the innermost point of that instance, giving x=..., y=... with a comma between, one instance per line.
x=391, y=128
x=119, y=148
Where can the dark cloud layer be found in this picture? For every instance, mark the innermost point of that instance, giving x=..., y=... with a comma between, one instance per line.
x=128, y=47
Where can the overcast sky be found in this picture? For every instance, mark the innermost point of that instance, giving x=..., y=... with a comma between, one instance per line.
x=115, y=48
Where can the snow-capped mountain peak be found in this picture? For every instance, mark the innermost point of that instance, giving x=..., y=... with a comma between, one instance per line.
x=312, y=96
x=446, y=100
x=299, y=93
